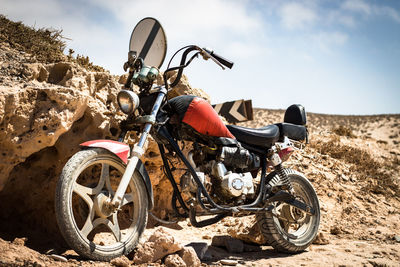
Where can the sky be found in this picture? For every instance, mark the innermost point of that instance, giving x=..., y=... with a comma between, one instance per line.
x=334, y=57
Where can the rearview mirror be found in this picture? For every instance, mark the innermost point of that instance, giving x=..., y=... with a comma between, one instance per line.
x=148, y=41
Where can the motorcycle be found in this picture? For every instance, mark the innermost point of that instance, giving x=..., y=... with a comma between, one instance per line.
x=104, y=194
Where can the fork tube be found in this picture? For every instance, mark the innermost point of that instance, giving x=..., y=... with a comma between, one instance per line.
x=137, y=152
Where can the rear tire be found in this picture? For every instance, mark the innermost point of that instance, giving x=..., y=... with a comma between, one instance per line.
x=87, y=178
x=287, y=228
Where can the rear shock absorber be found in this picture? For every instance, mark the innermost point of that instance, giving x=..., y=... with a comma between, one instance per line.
x=283, y=176
x=277, y=162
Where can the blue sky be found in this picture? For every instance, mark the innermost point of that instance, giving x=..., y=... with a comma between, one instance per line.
x=336, y=57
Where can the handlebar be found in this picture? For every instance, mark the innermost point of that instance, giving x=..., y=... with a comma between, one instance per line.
x=206, y=53
x=227, y=63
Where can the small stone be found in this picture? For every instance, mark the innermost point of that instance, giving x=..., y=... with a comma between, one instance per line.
x=228, y=262
x=20, y=241
x=219, y=240
x=189, y=256
x=51, y=251
x=397, y=238
x=344, y=177
x=321, y=239
x=174, y=260
x=158, y=245
x=58, y=258
x=122, y=261
x=330, y=194
x=199, y=247
x=335, y=230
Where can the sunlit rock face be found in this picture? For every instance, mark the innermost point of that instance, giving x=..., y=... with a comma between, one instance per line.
x=46, y=111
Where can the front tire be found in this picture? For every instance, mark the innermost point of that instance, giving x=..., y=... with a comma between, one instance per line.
x=88, y=178
x=287, y=228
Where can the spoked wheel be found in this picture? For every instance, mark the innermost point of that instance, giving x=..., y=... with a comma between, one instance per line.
x=287, y=228
x=87, y=182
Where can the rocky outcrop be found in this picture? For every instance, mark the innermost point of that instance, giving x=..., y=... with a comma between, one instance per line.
x=46, y=111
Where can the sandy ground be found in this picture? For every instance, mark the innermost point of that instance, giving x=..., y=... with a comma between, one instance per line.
x=360, y=226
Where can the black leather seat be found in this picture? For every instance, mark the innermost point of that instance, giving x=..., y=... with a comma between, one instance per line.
x=292, y=131
x=263, y=137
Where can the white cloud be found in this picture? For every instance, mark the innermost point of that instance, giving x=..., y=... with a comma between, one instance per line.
x=357, y=6
x=215, y=23
x=327, y=41
x=335, y=17
x=219, y=24
x=185, y=19
x=367, y=9
x=296, y=16
x=388, y=11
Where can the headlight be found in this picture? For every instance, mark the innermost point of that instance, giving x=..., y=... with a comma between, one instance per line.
x=128, y=101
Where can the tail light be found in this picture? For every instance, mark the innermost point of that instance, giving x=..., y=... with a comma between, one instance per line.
x=284, y=154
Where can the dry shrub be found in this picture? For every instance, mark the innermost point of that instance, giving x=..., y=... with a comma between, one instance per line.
x=85, y=62
x=343, y=131
x=47, y=45
x=379, y=175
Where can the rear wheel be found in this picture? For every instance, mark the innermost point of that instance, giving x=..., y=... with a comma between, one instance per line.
x=88, y=180
x=287, y=228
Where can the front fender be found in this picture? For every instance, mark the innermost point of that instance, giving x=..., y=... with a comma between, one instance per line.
x=122, y=150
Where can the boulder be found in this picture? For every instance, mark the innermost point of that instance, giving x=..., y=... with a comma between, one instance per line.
x=247, y=230
x=189, y=256
x=174, y=261
x=159, y=244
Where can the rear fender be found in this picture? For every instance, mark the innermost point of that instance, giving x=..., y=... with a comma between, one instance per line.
x=122, y=150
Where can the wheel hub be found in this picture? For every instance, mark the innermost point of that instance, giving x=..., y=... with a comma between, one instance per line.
x=102, y=205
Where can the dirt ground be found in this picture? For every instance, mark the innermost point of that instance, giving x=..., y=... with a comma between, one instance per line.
x=360, y=219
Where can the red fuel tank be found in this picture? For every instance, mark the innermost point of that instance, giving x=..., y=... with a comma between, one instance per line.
x=199, y=114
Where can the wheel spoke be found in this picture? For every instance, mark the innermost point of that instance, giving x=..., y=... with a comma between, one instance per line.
x=89, y=224
x=128, y=198
x=104, y=176
x=115, y=227
x=84, y=192
x=108, y=184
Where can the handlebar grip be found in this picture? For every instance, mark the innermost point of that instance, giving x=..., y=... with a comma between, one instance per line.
x=223, y=61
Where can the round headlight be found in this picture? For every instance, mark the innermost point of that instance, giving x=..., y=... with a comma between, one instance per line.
x=128, y=101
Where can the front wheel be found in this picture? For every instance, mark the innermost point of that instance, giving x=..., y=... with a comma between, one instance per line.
x=287, y=228
x=88, y=180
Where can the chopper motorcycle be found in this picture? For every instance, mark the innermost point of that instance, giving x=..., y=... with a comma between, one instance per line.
x=104, y=193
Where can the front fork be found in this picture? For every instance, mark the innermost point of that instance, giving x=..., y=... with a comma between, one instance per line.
x=137, y=151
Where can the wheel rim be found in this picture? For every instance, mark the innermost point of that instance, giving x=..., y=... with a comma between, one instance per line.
x=291, y=221
x=94, y=180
